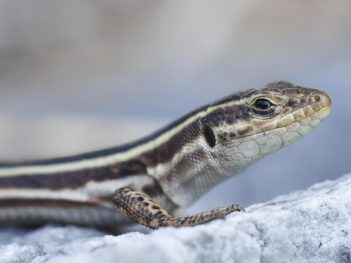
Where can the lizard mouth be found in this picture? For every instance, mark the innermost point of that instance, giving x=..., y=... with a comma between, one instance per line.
x=302, y=121
x=318, y=109
x=277, y=133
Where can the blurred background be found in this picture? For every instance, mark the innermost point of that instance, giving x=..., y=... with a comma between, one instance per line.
x=83, y=75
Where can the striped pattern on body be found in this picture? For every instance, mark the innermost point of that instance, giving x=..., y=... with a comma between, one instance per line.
x=174, y=166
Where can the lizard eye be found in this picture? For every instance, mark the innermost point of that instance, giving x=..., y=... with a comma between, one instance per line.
x=262, y=104
x=263, y=107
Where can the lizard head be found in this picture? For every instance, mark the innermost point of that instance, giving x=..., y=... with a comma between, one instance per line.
x=249, y=125
x=234, y=132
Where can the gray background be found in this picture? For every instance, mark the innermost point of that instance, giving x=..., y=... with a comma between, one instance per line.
x=80, y=75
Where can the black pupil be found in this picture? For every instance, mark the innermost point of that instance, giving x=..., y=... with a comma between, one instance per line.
x=262, y=104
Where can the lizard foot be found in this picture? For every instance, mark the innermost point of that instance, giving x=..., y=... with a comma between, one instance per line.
x=141, y=209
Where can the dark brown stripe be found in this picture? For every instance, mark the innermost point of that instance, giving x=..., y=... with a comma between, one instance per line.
x=36, y=212
x=74, y=179
x=16, y=202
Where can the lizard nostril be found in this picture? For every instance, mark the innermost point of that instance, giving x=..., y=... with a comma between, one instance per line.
x=321, y=98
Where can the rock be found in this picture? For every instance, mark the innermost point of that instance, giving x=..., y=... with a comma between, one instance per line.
x=305, y=226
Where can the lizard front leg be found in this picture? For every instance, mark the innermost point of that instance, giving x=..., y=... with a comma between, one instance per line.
x=141, y=209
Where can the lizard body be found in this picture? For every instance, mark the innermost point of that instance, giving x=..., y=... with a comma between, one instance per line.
x=148, y=179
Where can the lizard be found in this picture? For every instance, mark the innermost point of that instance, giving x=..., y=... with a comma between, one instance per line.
x=147, y=180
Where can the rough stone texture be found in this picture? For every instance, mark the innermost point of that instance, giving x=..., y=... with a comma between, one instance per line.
x=305, y=226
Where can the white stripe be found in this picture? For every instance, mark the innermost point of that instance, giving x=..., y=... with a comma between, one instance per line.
x=67, y=195
x=113, y=158
x=82, y=194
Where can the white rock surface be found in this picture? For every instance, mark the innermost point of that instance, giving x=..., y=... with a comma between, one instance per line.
x=306, y=226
